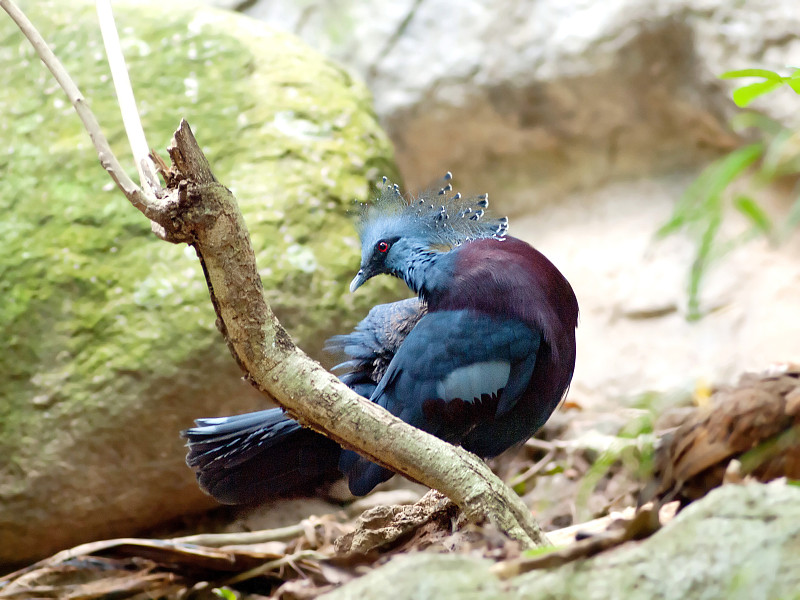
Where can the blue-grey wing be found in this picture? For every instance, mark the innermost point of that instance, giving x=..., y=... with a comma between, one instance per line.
x=456, y=369
x=370, y=348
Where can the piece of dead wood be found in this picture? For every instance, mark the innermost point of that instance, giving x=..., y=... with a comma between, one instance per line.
x=380, y=527
x=589, y=539
x=89, y=578
x=167, y=552
x=126, y=567
x=314, y=532
x=216, y=540
x=756, y=422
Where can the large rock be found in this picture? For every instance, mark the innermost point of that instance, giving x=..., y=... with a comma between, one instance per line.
x=515, y=95
x=109, y=344
x=588, y=120
x=738, y=542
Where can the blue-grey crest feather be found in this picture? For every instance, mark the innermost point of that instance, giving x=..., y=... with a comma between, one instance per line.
x=444, y=215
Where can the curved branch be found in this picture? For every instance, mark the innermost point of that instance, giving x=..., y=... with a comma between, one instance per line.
x=146, y=204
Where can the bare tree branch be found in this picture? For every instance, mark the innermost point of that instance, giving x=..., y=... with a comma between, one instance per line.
x=198, y=210
x=127, y=102
x=144, y=203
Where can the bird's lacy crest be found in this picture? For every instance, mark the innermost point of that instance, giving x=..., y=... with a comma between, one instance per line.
x=444, y=217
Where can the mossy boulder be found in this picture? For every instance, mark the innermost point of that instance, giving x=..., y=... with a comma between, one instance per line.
x=740, y=541
x=109, y=342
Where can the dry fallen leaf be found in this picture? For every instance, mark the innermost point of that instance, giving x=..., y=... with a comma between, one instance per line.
x=757, y=423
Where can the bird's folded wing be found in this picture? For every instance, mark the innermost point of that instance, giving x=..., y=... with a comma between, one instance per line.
x=457, y=368
x=372, y=345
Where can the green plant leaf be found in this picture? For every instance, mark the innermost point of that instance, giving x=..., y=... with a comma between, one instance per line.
x=224, y=593
x=540, y=551
x=746, y=94
x=701, y=208
x=778, y=156
x=747, y=119
x=699, y=265
x=794, y=83
x=772, y=75
x=701, y=199
x=729, y=167
x=754, y=213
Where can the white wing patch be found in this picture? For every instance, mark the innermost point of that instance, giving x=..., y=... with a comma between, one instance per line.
x=471, y=382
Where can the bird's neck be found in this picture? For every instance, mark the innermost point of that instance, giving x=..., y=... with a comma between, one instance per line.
x=428, y=271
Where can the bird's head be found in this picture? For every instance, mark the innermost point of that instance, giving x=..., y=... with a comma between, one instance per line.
x=396, y=231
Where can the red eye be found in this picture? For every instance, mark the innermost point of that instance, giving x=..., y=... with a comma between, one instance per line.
x=382, y=246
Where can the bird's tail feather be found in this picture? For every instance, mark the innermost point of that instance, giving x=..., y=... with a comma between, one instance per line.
x=255, y=456
x=362, y=474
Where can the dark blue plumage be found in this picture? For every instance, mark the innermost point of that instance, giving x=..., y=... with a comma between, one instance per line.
x=481, y=358
x=455, y=370
x=373, y=344
x=247, y=458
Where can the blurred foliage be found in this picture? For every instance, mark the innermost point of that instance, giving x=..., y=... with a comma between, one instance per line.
x=745, y=94
x=732, y=183
x=540, y=551
x=225, y=593
x=631, y=452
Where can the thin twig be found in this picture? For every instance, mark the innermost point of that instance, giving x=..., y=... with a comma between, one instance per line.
x=248, y=537
x=289, y=559
x=533, y=470
x=126, y=99
x=547, y=446
x=134, y=193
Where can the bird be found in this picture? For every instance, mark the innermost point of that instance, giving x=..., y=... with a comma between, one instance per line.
x=480, y=357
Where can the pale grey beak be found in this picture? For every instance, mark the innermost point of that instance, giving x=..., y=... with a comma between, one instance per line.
x=357, y=281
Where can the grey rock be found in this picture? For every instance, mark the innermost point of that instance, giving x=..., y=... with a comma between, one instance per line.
x=426, y=577
x=738, y=542
x=525, y=91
